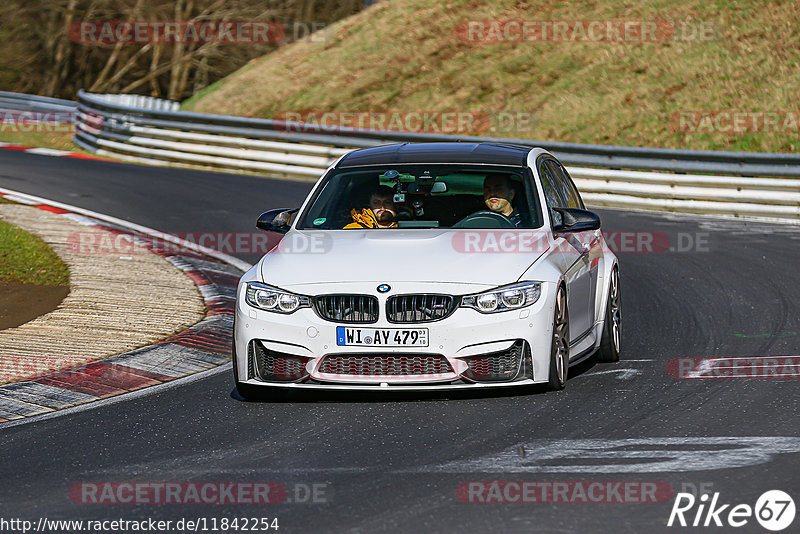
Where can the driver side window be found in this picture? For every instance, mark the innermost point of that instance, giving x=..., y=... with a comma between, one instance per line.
x=551, y=194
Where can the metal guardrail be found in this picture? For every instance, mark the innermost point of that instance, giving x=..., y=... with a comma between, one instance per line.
x=18, y=102
x=141, y=102
x=723, y=183
x=42, y=104
x=729, y=184
x=694, y=161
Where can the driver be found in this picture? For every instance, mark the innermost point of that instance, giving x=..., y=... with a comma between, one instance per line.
x=498, y=194
x=381, y=213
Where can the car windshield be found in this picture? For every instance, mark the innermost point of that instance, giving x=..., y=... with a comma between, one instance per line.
x=424, y=196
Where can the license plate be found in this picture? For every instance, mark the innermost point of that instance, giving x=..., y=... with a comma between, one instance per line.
x=382, y=337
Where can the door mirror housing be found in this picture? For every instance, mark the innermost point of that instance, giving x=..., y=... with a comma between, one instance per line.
x=576, y=220
x=278, y=220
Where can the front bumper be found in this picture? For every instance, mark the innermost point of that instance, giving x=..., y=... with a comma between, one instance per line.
x=464, y=342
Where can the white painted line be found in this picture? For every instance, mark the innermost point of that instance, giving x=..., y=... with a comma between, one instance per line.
x=625, y=374
x=226, y=258
x=123, y=397
x=21, y=200
x=637, y=455
x=47, y=152
x=80, y=219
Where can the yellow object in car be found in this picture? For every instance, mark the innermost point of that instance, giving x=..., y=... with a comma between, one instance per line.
x=365, y=219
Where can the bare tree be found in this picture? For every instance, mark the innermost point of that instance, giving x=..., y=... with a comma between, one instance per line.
x=45, y=57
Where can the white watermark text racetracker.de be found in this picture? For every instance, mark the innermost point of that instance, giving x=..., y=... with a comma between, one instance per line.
x=91, y=242
x=209, y=493
x=564, y=491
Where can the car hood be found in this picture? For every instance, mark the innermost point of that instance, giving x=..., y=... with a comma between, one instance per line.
x=483, y=257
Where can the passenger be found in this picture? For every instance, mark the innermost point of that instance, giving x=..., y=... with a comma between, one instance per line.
x=381, y=213
x=498, y=194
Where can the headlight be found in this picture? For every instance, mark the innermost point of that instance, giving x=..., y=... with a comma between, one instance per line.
x=272, y=299
x=505, y=298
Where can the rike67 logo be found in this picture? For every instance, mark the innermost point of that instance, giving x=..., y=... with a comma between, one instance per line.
x=774, y=510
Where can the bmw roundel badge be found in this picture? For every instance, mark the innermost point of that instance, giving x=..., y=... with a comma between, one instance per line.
x=384, y=288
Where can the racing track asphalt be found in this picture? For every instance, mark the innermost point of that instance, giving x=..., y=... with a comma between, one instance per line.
x=394, y=464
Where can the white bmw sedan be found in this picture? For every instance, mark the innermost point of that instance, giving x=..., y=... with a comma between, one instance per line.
x=429, y=266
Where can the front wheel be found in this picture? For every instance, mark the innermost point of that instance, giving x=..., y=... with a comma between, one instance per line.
x=559, y=348
x=612, y=325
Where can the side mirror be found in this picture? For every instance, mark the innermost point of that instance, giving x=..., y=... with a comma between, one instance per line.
x=276, y=220
x=576, y=220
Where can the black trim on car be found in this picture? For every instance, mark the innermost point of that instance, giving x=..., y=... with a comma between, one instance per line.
x=321, y=305
x=392, y=309
x=488, y=153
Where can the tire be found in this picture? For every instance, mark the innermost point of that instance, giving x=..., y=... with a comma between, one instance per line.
x=559, y=346
x=612, y=324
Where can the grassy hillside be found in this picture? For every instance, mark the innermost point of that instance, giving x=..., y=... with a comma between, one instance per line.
x=407, y=55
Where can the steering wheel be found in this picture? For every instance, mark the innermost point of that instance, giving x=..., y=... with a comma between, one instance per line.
x=485, y=219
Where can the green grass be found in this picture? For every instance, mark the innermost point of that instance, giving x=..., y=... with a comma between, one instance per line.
x=57, y=140
x=25, y=258
x=405, y=55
